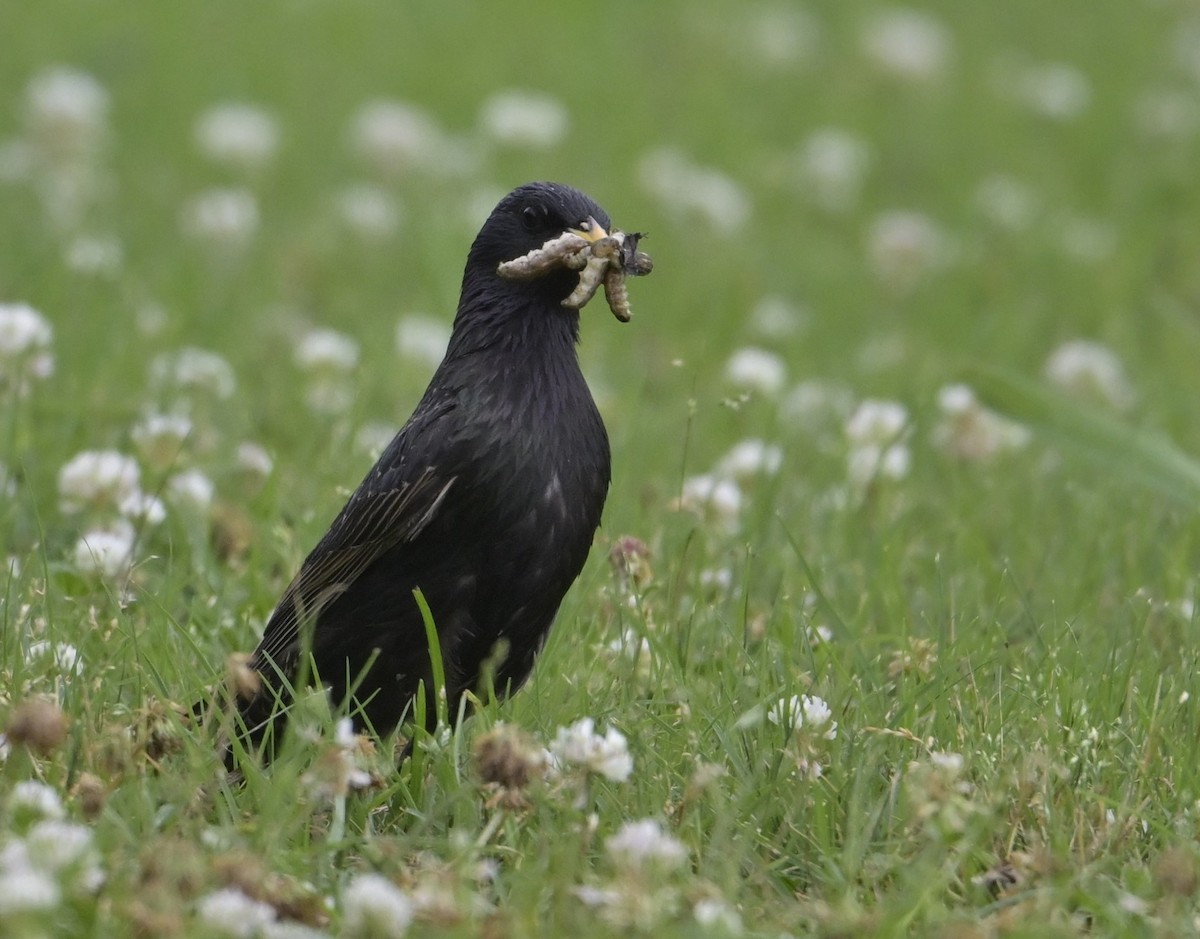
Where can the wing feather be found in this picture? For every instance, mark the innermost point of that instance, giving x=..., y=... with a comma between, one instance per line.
x=372, y=522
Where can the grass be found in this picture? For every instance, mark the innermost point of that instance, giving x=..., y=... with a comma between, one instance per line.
x=1010, y=651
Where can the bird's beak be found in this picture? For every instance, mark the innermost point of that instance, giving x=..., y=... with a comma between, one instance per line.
x=589, y=230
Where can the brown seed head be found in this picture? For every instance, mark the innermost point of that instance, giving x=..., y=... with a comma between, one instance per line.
x=92, y=794
x=39, y=724
x=507, y=756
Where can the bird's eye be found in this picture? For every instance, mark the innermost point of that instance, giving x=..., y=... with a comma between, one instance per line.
x=533, y=218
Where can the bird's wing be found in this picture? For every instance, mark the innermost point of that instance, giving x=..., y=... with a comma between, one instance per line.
x=372, y=522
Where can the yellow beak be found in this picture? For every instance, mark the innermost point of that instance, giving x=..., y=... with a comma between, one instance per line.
x=590, y=231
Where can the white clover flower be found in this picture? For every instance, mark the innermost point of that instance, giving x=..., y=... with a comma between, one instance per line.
x=69, y=189
x=143, y=507
x=328, y=357
x=817, y=714
x=291, y=929
x=25, y=338
x=328, y=351
x=337, y=773
x=435, y=900
x=1092, y=370
x=611, y=758
x=692, y=190
x=938, y=795
x=866, y=463
x=369, y=211
x=374, y=906
x=26, y=890
x=191, y=488
x=903, y=247
x=1007, y=202
x=1087, y=240
x=343, y=733
x=393, y=136
x=329, y=395
x=66, y=111
x=756, y=369
x=644, y=844
x=159, y=438
x=231, y=913
x=14, y=855
x=94, y=255
x=907, y=44
x=1133, y=904
x=423, y=338
x=709, y=493
x=950, y=762
x=35, y=797
x=253, y=459
x=240, y=135
x=714, y=914
x=814, y=404
x=877, y=421
x=777, y=318
x=970, y=431
x=373, y=438
x=225, y=218
x=66, y=656
x=780, y=35
x=956, y=400
x=1056, y=91
x=596, y=896
x=22, y=330
x=819, y=634
x=54, y=846
x=97, y=478
x=630, y=644
x=718, y=578
x=833, y=165
x=192, y=369
x=151, y=318
x=106, y=552
x=17, y=160
x=607, y=755
x=524, y=119
x=804, y=711
x=1168, y=113
x=750, y=458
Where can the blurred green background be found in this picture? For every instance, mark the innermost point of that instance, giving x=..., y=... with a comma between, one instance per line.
x=1041, y=160
x=846, y=202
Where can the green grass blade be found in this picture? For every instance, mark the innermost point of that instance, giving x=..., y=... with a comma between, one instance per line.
x=435, y=658
x=1140, y=456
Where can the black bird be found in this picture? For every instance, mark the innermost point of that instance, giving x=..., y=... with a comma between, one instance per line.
x=487, y=500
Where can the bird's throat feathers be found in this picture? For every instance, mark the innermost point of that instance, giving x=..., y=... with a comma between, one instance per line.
x=512, y=319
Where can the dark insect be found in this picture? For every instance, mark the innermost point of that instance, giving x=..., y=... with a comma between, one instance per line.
x=635, y=263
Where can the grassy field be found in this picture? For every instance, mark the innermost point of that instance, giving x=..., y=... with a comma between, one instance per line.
x=900, y=637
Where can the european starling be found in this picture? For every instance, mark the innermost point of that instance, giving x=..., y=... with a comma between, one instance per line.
x=486, y=501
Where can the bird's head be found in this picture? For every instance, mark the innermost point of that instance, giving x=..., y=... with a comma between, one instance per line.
x=526, y=219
